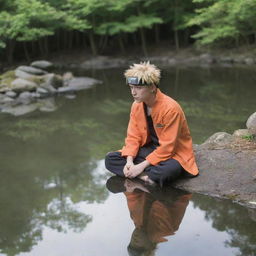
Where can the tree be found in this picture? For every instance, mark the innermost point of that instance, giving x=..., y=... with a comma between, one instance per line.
x=222, y=19
x=26, y=20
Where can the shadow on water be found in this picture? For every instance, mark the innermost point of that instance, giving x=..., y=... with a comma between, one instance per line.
x=51, y=182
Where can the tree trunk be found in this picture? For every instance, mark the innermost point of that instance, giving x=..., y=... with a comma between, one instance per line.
x=157, y=38
x=70, y=40
x=104, y=43
x=176, y=82
x=26, y=51
x=186, y=36
x=92, y=43
x=57, y=40
x=41, y=46
x=121, y=43
x=176, y=38
x=34, y=48
x=176, y=35
x=10, y=51
x=143, y=42
x=46, y=46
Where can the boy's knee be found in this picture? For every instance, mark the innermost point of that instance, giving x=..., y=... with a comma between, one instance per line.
x=110, y=158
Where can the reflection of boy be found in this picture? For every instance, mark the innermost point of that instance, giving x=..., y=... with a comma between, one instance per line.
x=155, y=213
x=153, y=219
x=158, y=146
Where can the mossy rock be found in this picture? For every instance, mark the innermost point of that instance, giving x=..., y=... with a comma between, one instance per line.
x=8, y=75
x=36, y=79
x=6, y=80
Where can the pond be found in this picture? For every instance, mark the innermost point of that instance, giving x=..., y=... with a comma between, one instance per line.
x=54, y=199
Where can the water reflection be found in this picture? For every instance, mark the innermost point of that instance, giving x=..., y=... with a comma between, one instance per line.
x=237, y=221
x=33, y=199
x=156, y=213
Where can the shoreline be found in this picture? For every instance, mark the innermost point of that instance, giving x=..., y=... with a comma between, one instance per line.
x=244, y=56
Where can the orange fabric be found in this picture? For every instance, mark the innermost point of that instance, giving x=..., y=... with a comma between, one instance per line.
x=172, y=131
x=158, y=219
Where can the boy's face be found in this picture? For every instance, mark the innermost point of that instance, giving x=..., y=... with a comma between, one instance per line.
x=141, y=93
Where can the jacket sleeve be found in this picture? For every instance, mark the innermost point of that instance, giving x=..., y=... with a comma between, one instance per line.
x=169, y=135
x=133, y=138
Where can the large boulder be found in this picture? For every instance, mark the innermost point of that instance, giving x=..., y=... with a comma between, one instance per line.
x=225, y=173
x=19, y=85
x=32, y=70
x=42, y=64
x=251, y=123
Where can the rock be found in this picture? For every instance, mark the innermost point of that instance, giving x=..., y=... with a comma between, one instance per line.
x=238, y=59
x=20, y=109
x=32, y=70
x=226, y=59
x=48, y=87
x=218, y=139
x=42, y=91
x=66, y=78
x=42, y=64
x=172, y=61
x=70, y=96
x=104, y=62
x=24, y=75
x=251, y=123
x=53, y=80
x=81, y=83
x=241, y=132
x=207, y=58
x=225, y=173
x=35, y=95
x=11, y=94
x=47, y=105
x=65, y=89
x=249, y=61
x=20, y=84
x=6, y=100
x=25, y=98
x=4, y=89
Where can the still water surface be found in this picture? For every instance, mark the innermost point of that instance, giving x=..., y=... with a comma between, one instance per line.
x=54, y=199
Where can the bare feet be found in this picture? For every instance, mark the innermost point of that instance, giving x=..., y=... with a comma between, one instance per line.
x=146, y=179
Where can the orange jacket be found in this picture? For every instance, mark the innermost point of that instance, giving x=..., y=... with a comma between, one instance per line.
x=171, y=129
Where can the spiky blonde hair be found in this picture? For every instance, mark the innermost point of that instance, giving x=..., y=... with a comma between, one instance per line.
x=146, y=73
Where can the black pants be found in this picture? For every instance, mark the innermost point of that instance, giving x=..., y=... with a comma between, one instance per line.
x=165, y=171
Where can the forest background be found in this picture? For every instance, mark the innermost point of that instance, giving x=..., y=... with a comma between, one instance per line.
x=33, y=28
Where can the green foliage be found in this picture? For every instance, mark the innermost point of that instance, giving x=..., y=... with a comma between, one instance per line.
x=27, y=20
x=31, y=20
x=249, y=137
x=223, y=19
